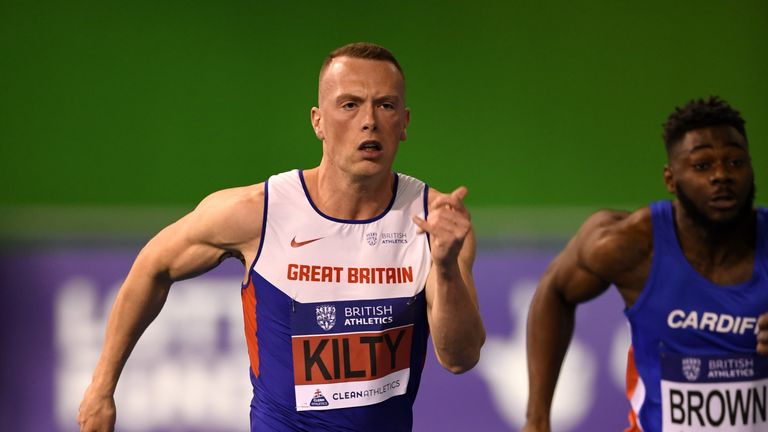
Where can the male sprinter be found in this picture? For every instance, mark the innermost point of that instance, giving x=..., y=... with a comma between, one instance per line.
x=693, y=274
x=350, y=267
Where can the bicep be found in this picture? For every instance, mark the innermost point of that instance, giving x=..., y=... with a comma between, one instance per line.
x=180, y=251
x=571, y=279
x=221, y=226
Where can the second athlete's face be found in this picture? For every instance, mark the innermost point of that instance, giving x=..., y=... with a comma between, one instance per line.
x=710, y=171
x=361, y=117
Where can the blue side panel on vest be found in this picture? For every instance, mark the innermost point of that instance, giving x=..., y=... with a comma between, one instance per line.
x=273, y=404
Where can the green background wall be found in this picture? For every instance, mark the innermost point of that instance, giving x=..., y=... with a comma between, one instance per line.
x=530, y=104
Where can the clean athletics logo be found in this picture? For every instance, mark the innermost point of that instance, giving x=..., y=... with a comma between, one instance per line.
x=318, y=399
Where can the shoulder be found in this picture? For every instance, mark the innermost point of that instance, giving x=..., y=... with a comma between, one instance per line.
x=230, y=216
x=232, y=199
x=611, y=243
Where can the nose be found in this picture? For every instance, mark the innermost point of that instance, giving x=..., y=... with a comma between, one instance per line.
x=369, y=119
x=721, y=173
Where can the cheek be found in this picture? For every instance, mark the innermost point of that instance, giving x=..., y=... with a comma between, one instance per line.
x=336, y=127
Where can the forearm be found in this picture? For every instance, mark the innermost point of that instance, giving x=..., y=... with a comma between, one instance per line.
x=550, y=327
x=455, y=324
x=138, y=302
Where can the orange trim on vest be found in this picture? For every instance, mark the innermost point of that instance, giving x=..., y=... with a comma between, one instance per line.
x=248, y=295
x=632, y=379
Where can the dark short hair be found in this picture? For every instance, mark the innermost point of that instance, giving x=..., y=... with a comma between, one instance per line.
x=700, y=113
x=362, y=50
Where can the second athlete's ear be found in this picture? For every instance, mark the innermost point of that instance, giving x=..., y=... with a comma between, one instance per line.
x=669, y=180
x=314, y=117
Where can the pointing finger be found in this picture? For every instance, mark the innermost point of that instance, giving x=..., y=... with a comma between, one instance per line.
x=459, y=193
x=452, y=201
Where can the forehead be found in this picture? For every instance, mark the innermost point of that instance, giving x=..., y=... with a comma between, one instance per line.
x=711, y=137
x=347, y=74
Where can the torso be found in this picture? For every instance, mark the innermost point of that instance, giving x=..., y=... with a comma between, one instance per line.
x=336, y=313
x=693, y=337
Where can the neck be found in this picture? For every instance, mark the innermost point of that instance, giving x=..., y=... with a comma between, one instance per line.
x=342, y=196
x=715, y=243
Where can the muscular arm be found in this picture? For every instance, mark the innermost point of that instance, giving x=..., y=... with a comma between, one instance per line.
x=227, y=223
x=596, y=257
x=452, y=310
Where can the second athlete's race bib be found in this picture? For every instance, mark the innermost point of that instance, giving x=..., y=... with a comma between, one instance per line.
x=714, y=393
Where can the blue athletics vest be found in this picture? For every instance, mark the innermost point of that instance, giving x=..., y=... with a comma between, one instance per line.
x=693, y=364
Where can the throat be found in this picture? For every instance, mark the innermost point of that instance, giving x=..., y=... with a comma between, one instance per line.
x=348, y=199
x=721, y=261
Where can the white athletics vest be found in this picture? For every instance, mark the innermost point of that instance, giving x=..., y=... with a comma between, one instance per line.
x=352, y=286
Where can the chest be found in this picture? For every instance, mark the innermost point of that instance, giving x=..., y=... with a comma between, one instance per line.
x=315, y=260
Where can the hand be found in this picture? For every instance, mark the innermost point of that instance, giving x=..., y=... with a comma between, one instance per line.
x=528, y=427
x=762, y=335
x=448, y=224
x=97, y=412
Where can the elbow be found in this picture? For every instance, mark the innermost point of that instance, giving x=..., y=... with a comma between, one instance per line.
x=466, y=360
x=459, y=366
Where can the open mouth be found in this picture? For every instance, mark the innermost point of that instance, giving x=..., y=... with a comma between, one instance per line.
x=370, y=146
x=723, y=200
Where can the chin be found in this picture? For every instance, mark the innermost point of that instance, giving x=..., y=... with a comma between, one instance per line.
x=369, y=170
x=714, y=219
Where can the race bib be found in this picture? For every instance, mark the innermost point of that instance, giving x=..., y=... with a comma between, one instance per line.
x=351, y=353
x=714, y=393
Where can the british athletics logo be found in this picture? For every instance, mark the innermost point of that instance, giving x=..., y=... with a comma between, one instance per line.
x=326, y=316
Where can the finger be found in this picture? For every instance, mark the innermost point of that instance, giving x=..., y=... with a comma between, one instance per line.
x=423, y=225
x=762, y=322
x=449, y=201
x=459, y=193
x=762, y=348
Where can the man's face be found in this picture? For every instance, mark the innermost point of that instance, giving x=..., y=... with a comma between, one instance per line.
x=361, y=117
x=710, y=171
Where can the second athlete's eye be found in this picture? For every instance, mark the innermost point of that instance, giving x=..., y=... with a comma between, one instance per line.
x=349, y=105
x=737, y=163
x=701, y=166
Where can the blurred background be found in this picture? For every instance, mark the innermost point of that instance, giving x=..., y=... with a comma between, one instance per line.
x=116, y=118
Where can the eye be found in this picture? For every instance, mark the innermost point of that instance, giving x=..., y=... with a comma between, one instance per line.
x=349, y=105
x=388, y=106
x=738, y=163
x=701, y=166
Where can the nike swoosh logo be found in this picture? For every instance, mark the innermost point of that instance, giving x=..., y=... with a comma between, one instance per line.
x=296, y=244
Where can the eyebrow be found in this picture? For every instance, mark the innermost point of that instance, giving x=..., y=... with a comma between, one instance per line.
x=347, y=96
x=350, y=96
x=706, y=145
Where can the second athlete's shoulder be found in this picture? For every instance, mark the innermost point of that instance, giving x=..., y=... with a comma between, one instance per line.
x=613, y=242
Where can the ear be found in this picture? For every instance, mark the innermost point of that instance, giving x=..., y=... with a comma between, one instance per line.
x=403, y=134
x=316, y=124
x=669, y=180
